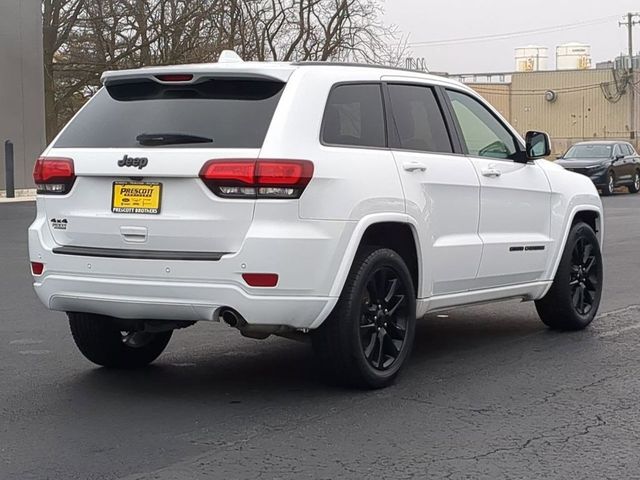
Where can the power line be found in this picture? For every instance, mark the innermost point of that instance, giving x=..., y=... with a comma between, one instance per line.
x=493, y=90
x=522, y=33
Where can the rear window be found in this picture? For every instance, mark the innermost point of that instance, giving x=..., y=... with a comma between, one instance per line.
x=218, y=113
x=354, y=116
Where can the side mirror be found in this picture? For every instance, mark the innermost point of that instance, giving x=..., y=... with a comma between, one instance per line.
x=559, y=157
x=619, y=157
x=538, y=145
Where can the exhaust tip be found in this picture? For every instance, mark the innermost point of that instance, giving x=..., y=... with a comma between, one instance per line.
x=230, y=318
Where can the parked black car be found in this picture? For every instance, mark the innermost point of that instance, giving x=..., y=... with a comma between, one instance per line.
x=607, y=164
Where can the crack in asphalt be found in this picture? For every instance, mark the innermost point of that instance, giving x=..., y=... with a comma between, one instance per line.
x=581, y=388
x=597, y=423
x=619, y=311
x=487, y=411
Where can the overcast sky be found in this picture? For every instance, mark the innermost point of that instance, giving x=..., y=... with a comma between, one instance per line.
x=436, y=20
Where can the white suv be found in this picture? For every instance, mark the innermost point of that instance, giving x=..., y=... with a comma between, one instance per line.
x=329, y=201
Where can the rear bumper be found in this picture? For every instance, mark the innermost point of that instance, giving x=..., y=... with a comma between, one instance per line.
x=306, y=255
x=164, y=300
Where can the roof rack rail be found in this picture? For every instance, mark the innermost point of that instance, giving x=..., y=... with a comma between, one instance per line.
x=355, y=64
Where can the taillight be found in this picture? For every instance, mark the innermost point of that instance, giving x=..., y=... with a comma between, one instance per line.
x=264, y=178
x=53, y=176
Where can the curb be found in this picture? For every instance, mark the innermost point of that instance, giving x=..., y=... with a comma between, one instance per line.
x=17, y=200
x=22, y=195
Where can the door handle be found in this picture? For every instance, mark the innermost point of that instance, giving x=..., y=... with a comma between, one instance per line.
x=491, y=172
x=414, y=167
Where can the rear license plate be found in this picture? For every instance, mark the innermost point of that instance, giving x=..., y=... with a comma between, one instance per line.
x=136, y=197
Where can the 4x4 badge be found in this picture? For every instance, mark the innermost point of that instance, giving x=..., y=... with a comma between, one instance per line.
x=128, y=161
x=59, y=223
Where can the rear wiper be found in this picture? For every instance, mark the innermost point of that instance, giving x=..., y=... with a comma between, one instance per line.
x=154, y=139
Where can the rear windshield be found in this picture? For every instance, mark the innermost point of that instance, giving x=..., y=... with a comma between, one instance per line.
x=216, y=113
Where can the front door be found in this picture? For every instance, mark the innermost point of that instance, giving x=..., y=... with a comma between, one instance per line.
x=515, y=198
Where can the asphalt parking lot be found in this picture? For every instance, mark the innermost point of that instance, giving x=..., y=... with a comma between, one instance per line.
x=489, y=393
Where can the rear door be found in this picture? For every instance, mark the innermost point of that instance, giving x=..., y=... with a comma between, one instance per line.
x=441, y=189
x=629, y=160
x=618, y=163
x=138, y=148
x=634, y=162
x=515, y=197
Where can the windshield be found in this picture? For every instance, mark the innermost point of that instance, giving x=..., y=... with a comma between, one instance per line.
x=216, y=113
x=589, y=151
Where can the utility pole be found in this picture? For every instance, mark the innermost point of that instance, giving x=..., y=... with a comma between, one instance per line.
x=632, y=20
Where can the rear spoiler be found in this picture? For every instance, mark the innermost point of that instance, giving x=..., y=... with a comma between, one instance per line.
x=195, y=73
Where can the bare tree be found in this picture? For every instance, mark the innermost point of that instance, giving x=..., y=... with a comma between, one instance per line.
x=82, y=38
x=341, y=30
x=58, y=21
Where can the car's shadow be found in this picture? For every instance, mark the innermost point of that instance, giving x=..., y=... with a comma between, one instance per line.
x=250, y=369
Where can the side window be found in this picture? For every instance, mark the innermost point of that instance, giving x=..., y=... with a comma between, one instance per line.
x=418, y=119
x=483, y=134
x=617, y=150
x=626, y=149
x=354, y=116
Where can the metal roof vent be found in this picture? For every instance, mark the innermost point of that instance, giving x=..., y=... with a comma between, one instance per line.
x=229, y=56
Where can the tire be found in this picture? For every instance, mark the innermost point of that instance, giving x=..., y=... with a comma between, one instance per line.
x=368, y=337
x=609, y=188
x=574, y=297
x=102, y=342
x=635, y=186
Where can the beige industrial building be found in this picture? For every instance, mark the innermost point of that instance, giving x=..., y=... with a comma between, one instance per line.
x=571, y=105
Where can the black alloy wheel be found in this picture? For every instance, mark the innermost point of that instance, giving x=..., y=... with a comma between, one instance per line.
x=383, y=322
x=584, y=276
x=369, y=335
x=609, y=188
x=573, y=300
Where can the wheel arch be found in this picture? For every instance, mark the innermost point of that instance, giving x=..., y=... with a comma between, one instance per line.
x=371, y=230
x=591, y=218
x=589, y=214
x=399, y=237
